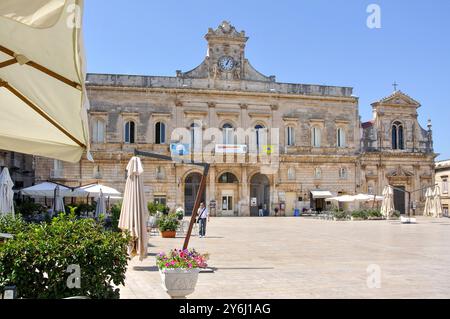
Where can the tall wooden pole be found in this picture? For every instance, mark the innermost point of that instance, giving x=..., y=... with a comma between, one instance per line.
x=198, y=200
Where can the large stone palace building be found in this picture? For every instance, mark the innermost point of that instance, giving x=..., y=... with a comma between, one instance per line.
x=312, y=134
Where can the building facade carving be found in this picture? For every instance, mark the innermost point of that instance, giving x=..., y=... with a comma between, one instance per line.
x=323, y=145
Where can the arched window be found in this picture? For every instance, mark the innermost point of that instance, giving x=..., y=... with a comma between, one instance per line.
x=160, y=133
x=316, y=136
x=260, y=135
x=98, y=131
x=228, y=134
x=290, y=136
x=227, y=178
x=129, y=134
x=397, y=136
x=340, y=137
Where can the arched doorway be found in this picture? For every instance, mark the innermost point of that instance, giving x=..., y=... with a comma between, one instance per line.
x=260, y=189
x=228, y=192
x=191, y=186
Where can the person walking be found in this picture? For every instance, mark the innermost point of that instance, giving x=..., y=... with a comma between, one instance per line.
x=260, y=211
x=203, y=215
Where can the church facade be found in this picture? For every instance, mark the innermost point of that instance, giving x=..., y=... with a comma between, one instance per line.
x=270, y=144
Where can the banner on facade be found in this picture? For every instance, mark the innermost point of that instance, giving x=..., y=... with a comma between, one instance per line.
x=268, y=149
x=178, y=149
x=231, y=149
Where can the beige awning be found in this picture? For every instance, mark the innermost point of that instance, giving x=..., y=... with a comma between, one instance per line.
x=319, y=194
x=43, y=102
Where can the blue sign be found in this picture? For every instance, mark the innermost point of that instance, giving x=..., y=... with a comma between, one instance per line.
x=180, y=149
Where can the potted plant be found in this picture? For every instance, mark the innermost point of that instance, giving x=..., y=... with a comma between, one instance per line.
x=168, y=225
x=179, y=271
x=155, y=211
x=180, y=213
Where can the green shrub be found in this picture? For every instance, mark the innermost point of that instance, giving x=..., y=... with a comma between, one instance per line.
x=153, y=208
x=373, y=213
x=340, y=215
x=360, y=214
x=27, y=208
x=168, y=222
x=37, y=259
x=12, y=225
x=396, y=214
x=115, y=216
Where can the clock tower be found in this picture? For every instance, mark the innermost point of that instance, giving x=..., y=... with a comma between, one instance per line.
x=226, y=52
x=225, y=58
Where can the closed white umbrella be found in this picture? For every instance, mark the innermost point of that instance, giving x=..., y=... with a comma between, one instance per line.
x=58, y=202
x=437, y=204
x=134, y=213
x=43, y=100
x=100, y=209
x=387, y=207
x=6, y=193
x=428, y=209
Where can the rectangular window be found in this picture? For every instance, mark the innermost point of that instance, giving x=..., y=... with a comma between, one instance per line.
x=290, y=136
x=99, y=131
x=227, y=203
x=160, y=199
x=340, y=137
x=445, y=186
x=316, y=137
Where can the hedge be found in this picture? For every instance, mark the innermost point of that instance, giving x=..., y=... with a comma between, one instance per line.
x=37, y=259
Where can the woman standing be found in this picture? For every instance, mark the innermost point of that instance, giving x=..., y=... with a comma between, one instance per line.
x=203, y=215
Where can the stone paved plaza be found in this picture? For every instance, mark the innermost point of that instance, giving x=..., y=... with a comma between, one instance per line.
x=308, y=258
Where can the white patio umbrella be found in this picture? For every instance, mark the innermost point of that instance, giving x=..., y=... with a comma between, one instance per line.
x=94, y=190
x=47, y=189
x=43, y=101
x=6, y=193
x=134, y=213
x=58, y=202
x=437, y=204
x=342, y=199
x=428, y=209
x=100, y=209
x=387, y=207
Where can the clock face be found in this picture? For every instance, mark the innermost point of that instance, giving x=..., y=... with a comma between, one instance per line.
x=226, y=63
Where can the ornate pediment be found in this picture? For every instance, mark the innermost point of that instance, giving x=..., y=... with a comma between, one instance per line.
x=226, y=30
x=400, y=172
x=398, y=98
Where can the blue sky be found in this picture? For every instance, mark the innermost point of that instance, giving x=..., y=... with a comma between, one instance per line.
x=310, y=41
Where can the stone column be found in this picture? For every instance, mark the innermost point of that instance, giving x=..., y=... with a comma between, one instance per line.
x=211, y=190
x=245, y=194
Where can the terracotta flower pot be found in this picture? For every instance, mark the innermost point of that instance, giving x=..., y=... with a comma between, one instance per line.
x=169, y=234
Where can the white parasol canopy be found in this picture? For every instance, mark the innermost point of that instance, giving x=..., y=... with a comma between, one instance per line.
x=342, y=199
x=428, y=209
x=47, y=189
x=134, y=213
x=6, y=193
x=95, y=190
x=100, y=209
x=387, y=207
x=43, y=101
